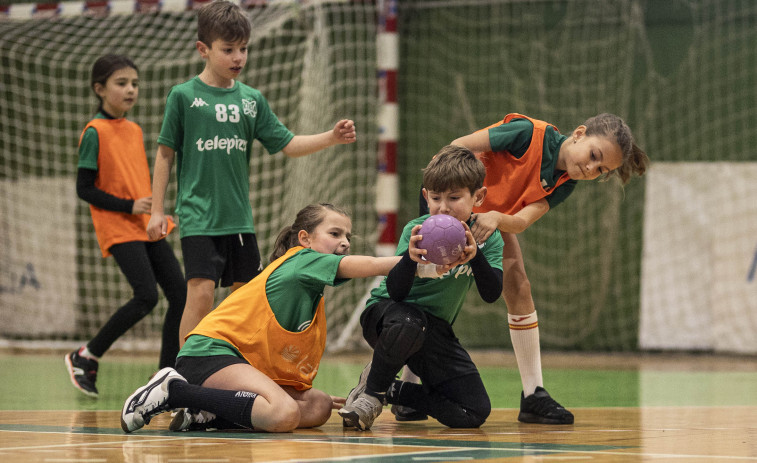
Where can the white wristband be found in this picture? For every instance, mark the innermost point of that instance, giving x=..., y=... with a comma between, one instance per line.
x=427, y=271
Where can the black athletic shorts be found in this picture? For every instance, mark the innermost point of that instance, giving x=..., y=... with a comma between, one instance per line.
x=441, y=357
x=225, y=259
x=197, y=369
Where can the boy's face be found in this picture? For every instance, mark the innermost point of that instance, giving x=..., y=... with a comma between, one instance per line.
x=224, y=60
x=457, y=202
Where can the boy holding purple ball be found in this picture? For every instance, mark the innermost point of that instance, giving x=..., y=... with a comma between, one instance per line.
x=408, y=318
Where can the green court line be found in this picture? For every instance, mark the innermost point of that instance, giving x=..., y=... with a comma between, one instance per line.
x=40, y=382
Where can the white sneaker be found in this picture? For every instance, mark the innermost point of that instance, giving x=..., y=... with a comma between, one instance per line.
x=362, y=412
x=186, y=418
x=148, y=401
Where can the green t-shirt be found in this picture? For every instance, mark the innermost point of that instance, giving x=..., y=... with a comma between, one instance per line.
x=442, y=297
x=211, y=129
x=293, y=290
x=515, y=137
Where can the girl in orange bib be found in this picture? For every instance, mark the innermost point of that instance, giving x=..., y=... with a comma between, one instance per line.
x=252, y=360
x=114, y=178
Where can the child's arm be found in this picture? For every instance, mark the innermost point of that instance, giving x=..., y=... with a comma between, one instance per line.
x=365, y=266
x=486, y=222
x=86, y=190
x=157, y=227
x=488, y=279
x=301, y=145
x=478, y=142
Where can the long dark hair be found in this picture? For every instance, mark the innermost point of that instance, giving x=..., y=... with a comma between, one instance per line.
x=307, y=219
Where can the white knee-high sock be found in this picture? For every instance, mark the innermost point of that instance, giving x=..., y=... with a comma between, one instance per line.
x=524, y=333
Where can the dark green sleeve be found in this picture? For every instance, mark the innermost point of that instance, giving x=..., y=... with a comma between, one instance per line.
x=514, y=137
x=88, y=149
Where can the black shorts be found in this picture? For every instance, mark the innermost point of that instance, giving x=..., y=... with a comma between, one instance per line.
x=225, y=259
x=441, y=357
x=197, y=369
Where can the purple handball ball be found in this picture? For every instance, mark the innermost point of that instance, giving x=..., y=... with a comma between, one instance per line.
x=443, y=238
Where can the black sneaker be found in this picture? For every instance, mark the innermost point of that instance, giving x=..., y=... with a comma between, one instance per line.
x=539, y=407
x=405, y=413
x=83, y=373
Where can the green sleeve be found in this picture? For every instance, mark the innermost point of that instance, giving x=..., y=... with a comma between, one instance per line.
x=89, y=149
x=514, y=137
x=270, y=131
x=171, y=134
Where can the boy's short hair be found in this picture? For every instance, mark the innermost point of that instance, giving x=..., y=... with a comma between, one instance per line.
x=454, y=167
x=222, y=20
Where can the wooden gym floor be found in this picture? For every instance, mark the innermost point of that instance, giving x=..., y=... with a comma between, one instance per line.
x=670, y=434
x=673, y=409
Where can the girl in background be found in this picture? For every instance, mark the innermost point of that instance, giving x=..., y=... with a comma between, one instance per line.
x=114, y=178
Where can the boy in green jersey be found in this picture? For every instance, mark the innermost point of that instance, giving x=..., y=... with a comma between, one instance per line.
x=208, y=128
x=408, y=319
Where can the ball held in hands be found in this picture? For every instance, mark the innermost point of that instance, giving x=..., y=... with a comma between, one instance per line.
x=443, y=238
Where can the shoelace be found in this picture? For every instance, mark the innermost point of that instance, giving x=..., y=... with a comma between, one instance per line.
x=366, y=406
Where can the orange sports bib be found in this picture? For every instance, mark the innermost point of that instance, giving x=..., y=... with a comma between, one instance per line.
x=245, y=320
x=513, y=183
x=122, y=171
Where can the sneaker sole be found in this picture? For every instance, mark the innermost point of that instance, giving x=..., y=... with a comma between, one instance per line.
x=537, y=419
x=179, y=422
x=414, y=417
x=352, y=420
x=72, y=377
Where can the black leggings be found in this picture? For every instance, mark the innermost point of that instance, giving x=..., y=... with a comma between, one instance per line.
x=146, y=265
x=452, y=390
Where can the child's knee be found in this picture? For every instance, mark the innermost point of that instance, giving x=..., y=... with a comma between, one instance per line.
x=285, y=417
x=402, y=334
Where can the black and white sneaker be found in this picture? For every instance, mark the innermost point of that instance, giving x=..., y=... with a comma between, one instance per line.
x=148, y=401
x=541, y=408
x=192, y=420
x=83, y=372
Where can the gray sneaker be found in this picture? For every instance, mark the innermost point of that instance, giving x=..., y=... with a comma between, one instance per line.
x=361, y=412
x=360, y=388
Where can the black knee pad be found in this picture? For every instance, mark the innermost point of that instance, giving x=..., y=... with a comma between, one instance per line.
x=402, y=335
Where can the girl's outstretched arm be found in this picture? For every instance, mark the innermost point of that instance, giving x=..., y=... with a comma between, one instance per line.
x=365, y=266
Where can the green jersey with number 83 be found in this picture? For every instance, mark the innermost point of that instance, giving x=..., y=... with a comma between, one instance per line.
x=211, y=130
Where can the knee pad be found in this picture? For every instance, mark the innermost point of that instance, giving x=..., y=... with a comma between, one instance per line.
x=402, y=336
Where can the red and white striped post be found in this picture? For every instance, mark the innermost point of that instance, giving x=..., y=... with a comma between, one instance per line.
x=387, y=184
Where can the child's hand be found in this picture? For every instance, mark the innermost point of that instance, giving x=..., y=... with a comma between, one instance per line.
x=142, y=205
x=344, y=132
x=484, y=225
x=469, y=251
x=157, y=227
x=416, y=253
x=337, y=402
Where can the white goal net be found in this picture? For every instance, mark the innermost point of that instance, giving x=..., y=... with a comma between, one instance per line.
x=315, y=63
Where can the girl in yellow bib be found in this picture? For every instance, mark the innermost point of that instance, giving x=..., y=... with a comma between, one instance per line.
x=252, y=360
